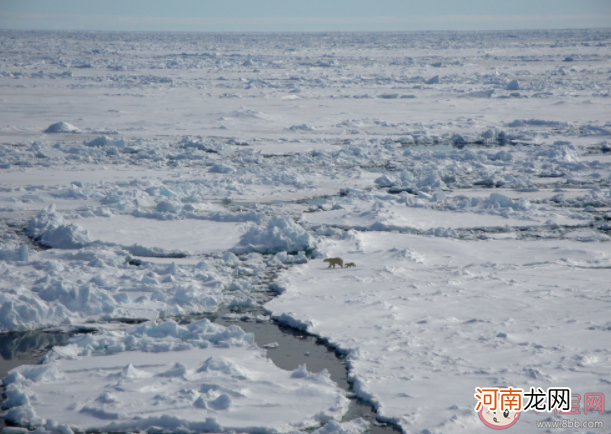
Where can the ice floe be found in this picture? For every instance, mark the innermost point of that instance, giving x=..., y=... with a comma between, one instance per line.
x=125, y=381
x=418, y=316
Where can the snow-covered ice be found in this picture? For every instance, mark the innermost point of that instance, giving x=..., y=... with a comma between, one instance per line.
x=204, y=378
x=150, y=177
x=190, y=237
x=413, y=214
x=423, y=319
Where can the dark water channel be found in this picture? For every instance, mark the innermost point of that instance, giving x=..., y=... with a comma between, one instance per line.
x=297, y=348
x=294, y=348
x=25, y=348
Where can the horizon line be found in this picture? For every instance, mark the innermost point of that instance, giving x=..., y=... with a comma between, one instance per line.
x=306, y=31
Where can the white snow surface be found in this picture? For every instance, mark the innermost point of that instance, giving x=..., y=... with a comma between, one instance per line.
x=412, y=214
x=424, y=321
x=73, y=288
x=466, y=174
x=192, y=237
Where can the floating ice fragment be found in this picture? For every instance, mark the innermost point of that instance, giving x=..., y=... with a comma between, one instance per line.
x=434, y=80
x=200, y=403
x=16, y=396
x=100, y=413
x=501, y=156
x=322, y=63
x=281, y=233
x=242, y=302
x=169, y=206
x=169, y=328
x=222, y=168
x=231, y=259
x=316, y=254
x=130, y=372
x=384, y=181
x=14, y=253
x=202, y=265
x=225, y=366
x=425, y=196
x=432, y=181
x=478, y=94
x=22, y=253
x=439, y=196
x=97, y=263
x=122, y=298
x=20, y=415
x=300, y=372
x=302, y=127
x=501, y=199
x=104, y=141
x=356, y=426
x=36, y=374
x=178, y=370
x=513, y=85
x=285, y=258
x=223, y=402
x=442, y=232
x=107, y=398
x=49, y=229
x=62, y=127
x=586, y=235
x=171, y=269
x=69, y=352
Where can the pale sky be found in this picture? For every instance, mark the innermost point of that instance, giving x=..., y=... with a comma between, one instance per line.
x=303, y=15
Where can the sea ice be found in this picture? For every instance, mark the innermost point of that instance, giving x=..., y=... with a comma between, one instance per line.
x=125, y=381
x=466, y=175
x=424, y=321
x=62, y=127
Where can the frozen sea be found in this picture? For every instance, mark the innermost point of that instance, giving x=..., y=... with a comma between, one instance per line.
x=150, y=179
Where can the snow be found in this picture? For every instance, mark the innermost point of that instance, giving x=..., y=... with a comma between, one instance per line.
x=280, y=235
x=513, y=85
x=413, y=214
x=356, y=426
x=50, y=229
x=62, y=127
x=420, y=315
x=160, y=176
x=105, y=141
x=191, y=237
x=125, y=381
x=60, y=287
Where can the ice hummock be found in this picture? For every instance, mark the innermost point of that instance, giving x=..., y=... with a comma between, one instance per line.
x=50, y=229
x=105, y=141
x=280, y=234
x=62, y=127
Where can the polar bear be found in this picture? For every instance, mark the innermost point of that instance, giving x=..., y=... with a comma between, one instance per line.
x=334, y=261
